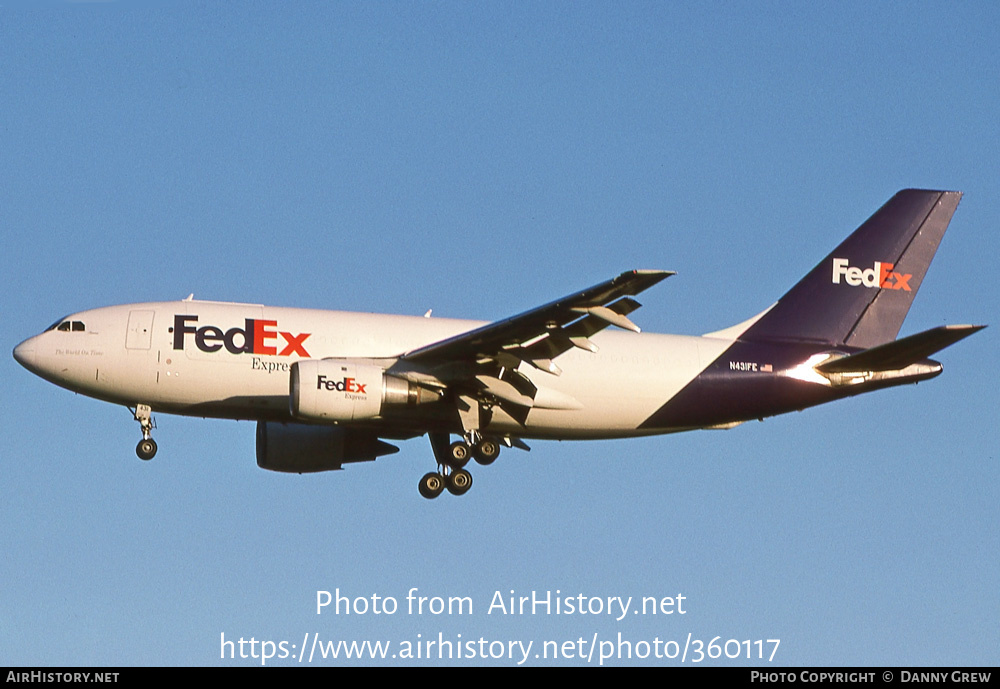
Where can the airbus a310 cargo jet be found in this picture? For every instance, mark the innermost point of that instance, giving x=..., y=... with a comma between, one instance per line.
x=326, y=387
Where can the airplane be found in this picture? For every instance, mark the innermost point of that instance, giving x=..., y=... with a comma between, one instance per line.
x=328, y=388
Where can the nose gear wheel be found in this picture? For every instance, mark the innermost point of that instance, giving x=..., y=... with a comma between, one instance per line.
x=146, y=449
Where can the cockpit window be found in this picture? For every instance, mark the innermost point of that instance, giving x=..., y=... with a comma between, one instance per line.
x=67, y=326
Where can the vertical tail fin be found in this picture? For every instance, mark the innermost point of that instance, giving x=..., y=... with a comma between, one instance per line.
x=860, y=293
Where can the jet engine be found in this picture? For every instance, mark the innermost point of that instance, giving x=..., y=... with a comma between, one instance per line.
x=298, y=448
x=344, y=390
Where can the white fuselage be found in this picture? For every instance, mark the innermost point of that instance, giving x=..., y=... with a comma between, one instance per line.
x=199, y=358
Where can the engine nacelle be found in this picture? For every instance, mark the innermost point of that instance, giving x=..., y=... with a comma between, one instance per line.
x=297, y=448
x=344, y=390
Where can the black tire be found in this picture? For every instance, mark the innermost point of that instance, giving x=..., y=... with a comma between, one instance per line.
x=487, y=451
x=431, y=485
x=459, y=482
x=146, y=449
x=459, y=454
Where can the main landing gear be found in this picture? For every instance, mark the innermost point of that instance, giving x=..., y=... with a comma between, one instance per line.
x=146, y=449
x=452, y=458
x=457, y=481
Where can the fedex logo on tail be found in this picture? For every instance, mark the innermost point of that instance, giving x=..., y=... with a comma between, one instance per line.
x=880, y=275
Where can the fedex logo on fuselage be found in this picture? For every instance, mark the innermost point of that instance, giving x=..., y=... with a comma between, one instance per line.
x=879, y=275
x=255, y=337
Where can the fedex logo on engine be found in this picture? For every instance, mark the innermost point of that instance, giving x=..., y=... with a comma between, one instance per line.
x=255, y=337
x=346, y=385
x=879, y=275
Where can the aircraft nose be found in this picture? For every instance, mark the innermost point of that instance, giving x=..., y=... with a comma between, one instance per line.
x=24, y=354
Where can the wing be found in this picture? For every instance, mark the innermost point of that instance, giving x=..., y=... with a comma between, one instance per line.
x=481, y=364
x=545, y=332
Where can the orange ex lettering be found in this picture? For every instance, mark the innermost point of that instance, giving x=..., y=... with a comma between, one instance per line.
x=880, y=275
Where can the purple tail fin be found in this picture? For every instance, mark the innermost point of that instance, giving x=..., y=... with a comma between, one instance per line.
x=860, y=293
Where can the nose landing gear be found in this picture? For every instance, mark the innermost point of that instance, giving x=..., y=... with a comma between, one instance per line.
x=146, y=449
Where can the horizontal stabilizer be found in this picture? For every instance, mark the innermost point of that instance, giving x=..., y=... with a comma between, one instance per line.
x=899, y=354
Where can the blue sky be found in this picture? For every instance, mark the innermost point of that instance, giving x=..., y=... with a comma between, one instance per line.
x=481, y=159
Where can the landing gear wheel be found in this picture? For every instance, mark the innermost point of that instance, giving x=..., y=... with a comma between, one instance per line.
x=431, y=485
x=486, y=451
x=146, y=449
x=459, y=482
x=458, y=454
